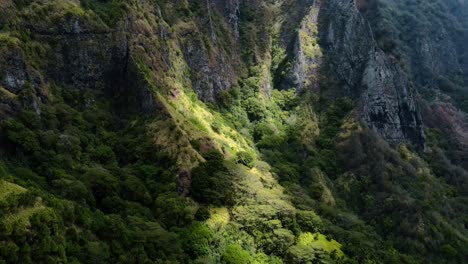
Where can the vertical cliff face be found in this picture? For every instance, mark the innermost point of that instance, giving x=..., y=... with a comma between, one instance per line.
x=388, y=104
x=363, y=71
x=210, y=46
x=334, y=40
x=429, y=40
x=231, y=9
x=307, y=53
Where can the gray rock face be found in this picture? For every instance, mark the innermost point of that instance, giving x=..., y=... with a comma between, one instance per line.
x=212, y=72
x=387, y=104
x=81, y=55
x=14, y=73
x=84, y=55
x=213, y=59
x=307, y=53
x=363, y=71
x=347, y=41
x=434, y=54
x=431, y=45
x=231, y=10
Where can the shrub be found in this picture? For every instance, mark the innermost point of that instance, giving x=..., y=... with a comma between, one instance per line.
x=73, y=190
x=173, y=210
x=19, y=135
x=286, y=99
x=277, y=241
x=262, y=130
x=101, y=183
x=135, y=190
x=197, y=240
x=112, y=205
x=211, y=183
x=254, y=108
x=103, y=154
x=29, y=175
x=245, y=158
x=216, y=126
x=202, y=214
x=309, y=221
x=211, y=187
x=235, y=254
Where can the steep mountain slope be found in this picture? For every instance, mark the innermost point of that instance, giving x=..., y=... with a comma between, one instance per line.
x=232, y=131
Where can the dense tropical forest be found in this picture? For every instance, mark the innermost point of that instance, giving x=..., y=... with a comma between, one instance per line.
x=233, y=131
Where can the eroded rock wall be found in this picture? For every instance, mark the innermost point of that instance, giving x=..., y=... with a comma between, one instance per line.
x=363, y=71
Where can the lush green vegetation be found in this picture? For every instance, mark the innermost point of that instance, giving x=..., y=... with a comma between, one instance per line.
x=262, y=176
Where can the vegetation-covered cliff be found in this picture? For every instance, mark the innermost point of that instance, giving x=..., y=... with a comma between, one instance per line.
x=233, y=131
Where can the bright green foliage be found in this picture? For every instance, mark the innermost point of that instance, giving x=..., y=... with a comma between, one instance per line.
x=312, y=247
x=235, y=254
x=254, y=109
x=309, y=221
x=245, y=158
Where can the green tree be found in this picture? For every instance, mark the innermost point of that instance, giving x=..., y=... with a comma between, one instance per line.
x=235, y=254
x=245, y=158
x=197, y=240
x=101, y=183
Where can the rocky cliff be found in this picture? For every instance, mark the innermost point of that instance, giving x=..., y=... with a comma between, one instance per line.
x=90, y=54
x=348, y=33
x=174, y=130
x=431, y=47
x=387, y=100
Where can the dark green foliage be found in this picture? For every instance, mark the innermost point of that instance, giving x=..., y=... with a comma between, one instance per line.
x=325, y=158
x=29, y=176
x=173, y=210
x=309, y=221
x=103, y=154
x=73, y=190
x=101, y=183
x=18, y=135
x=211, y=181
x=197, y=240
x=110, y=11
x=70, y=152
x=202, y=214
x=134, y=189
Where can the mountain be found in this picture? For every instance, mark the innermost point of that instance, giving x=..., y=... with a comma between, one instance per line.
x=233, y=131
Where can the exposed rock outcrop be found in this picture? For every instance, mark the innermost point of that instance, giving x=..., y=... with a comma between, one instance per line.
x=212, y=70
x=307, y=53
x=84, y=53
x=363, y=71
x=14, y=71
x=232, y=12
x=80, y=55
